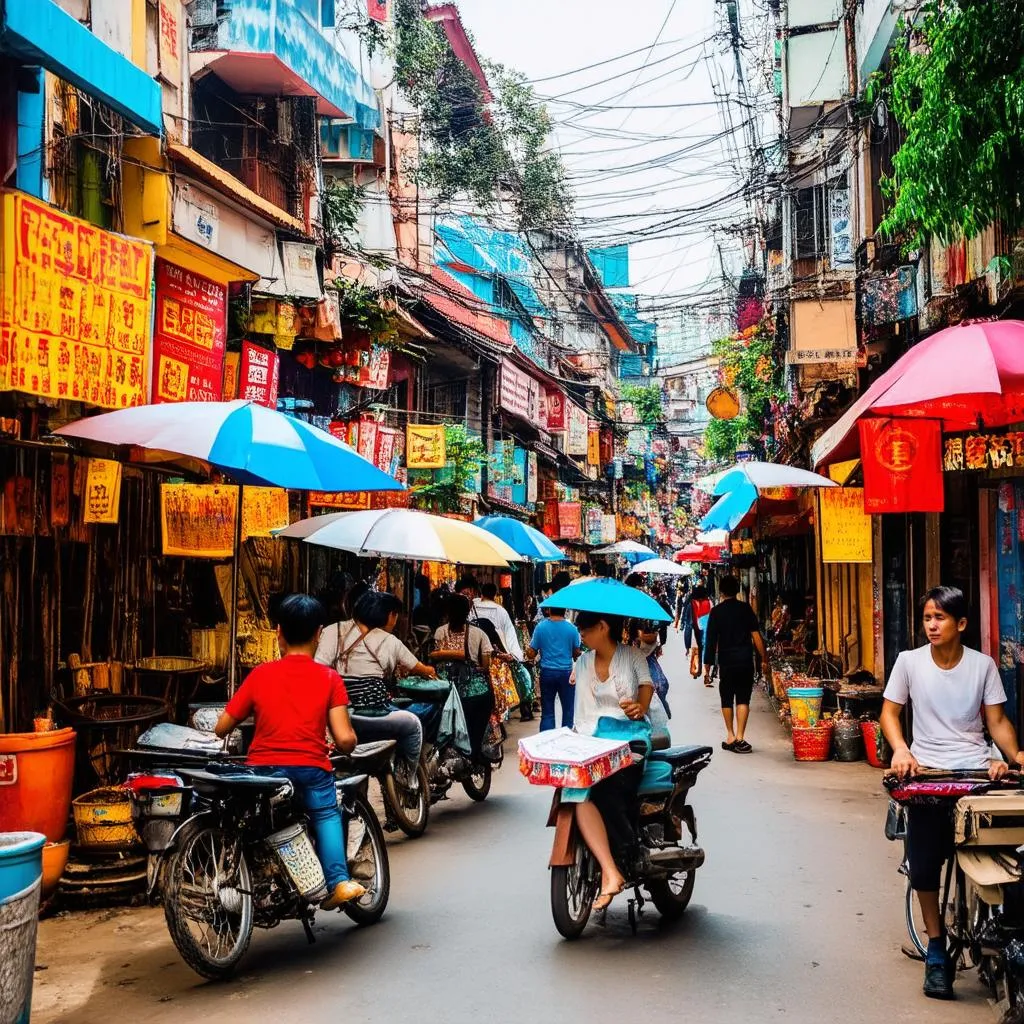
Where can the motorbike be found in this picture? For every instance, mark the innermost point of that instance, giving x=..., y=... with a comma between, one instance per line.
x=982, y=895
x=447, y=758
x=666, y=838
x=229, y=847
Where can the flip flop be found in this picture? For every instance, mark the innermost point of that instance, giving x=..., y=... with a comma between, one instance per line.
x=729, y=746
x=743, y=747
x=607, y=897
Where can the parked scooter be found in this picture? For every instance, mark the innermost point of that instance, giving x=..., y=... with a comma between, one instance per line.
x=666, y=838
x=405, y=789
x=447, y=757
x=982, y=896
x=230, y=848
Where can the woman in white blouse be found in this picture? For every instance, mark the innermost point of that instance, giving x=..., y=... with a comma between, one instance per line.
x=612, y=681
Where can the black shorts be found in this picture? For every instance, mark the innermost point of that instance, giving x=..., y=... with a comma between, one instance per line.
x=735, y=684
x=929, y=844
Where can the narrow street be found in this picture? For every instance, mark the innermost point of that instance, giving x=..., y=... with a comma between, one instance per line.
x=797, y=916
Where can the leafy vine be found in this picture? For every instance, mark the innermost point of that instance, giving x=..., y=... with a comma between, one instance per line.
x=464, y=456
x=957, y=89
x=646, y=400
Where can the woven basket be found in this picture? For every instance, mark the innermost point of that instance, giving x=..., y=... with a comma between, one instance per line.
x=814, y=743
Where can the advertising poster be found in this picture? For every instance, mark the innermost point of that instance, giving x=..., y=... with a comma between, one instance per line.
x=76, y=308
x=845, y=527
x=264, y=510
x=188, y=336
x=258, y=375
x=198, y=520
x=425, y=446
x=102, y=491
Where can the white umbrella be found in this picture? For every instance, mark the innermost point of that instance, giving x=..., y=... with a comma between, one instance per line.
x=663, y=567
x=766, y=475
x=404, y=533
x=626, y=547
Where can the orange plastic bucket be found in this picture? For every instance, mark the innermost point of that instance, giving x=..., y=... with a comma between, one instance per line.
x=36, y=769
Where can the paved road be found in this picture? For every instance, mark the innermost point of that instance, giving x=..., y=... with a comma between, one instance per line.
x=796, y=917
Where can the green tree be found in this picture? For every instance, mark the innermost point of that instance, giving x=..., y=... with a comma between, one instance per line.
x=646, y=399
x=464, y=454
x=957, y=89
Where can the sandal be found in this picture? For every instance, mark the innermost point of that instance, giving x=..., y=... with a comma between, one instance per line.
x=729, y=746
x=607, y=897
x=743, y=747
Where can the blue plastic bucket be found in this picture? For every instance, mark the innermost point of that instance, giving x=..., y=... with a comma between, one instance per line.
x=21, y=874
x=805, y=705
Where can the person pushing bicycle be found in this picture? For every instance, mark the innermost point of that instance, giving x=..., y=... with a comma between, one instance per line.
x=957, y=696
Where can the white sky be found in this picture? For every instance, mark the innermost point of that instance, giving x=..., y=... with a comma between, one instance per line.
x=601, y=148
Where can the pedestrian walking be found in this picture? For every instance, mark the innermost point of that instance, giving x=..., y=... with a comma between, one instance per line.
x=733, y=634
x=699, y=608
x=556, y=642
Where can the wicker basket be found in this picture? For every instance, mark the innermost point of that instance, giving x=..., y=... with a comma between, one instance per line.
x=814, y=743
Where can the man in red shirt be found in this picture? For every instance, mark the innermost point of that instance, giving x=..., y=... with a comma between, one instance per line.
x=295, y=701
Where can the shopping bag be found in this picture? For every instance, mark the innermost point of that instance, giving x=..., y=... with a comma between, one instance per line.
x=694, y=662
x=453, y=726
x=524, y=680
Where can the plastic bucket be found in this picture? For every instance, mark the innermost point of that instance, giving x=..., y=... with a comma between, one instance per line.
x=295, y=850
x=21, y=870
x=878, y=751
x=848, y=741
x=36, y=769
x=805, y=705
x=103, y=819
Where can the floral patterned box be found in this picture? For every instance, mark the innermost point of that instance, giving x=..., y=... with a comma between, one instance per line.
x=567, y=760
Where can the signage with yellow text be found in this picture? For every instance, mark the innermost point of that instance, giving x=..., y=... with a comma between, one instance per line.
x=845, y=526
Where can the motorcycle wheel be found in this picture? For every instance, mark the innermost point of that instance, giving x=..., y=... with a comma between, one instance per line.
x=573, y=891
x=478, y=783
x=672, y=895
x=368, y=863
x=409, y=809
x=209, y=912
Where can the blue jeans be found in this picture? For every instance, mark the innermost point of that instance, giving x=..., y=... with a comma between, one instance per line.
x=556, y=681
x=316, y=787
x=399, y=725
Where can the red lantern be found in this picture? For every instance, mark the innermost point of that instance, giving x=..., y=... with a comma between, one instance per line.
x=337, y=358
x=306, y=358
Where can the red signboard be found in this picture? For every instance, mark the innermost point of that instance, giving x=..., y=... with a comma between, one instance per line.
x=387, y=447
x=258, y=376
x=555, y=402
x=570, y=520
x=188, y=336
x=902, y=461
x=366, y=439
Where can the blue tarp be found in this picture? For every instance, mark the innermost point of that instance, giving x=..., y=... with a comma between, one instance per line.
x=612, y=265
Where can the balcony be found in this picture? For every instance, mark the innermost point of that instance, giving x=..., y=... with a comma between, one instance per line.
x=261, y=49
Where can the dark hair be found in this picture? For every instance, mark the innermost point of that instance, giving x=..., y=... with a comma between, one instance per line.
x=635, y=579
x=729, y=586
x=458, y=612
x=699, y=593
x=299, y=616
x=604, y=570
x=561, y=579
x=584, y=620
x=488, y=591
x=351, y=599
x=375, y=607
x=951, y=600
x=467, y=583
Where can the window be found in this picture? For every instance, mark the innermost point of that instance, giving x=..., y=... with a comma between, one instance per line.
x=807, y=212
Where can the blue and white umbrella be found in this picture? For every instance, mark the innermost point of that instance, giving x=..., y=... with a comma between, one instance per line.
x=252, y=443
x=525, y=540
x=609, y=596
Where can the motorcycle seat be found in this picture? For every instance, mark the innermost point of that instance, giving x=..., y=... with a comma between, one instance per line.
x=237, y=777
x=367, y=757
x=679, y=757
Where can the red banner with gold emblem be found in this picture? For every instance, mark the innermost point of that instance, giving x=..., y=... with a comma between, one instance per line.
x=902, y=460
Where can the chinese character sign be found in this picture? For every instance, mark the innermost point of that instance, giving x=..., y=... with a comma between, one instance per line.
x=902, y=461
x=198, y=520
x=576, y=442
x=102, y=491
x=169, y=45
x=188, y=336
x=76, y=308
x=555, y=409
x=845, y=526
x=264, y=510
x=258, y=375
x=424, y=446
x=570, y=520
x=983, y=451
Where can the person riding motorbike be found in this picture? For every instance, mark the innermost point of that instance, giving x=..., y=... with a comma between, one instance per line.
x=612, y=681
x=295, y=702
x=366, y=654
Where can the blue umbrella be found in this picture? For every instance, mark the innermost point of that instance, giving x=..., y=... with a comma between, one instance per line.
x=609, y=596
x=729, y=510
x=523, y=539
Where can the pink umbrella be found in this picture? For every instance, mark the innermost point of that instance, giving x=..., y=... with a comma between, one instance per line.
x=969, y=377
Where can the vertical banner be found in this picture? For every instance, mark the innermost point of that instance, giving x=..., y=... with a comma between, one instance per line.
x=169, y=41
x=902, y=460
x=60, y=491
x=594, y=445
x=366, y=443
x=258, y=375
x=76, y=308
x=102, y=491
x=577, y=424
x=555, y=409
x=846, y=530
x=232, y=366
x=531, y=478
x=188, y=337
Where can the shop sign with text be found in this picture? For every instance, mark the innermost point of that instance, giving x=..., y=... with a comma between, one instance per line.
x=188, y=337
x=979, y=451
x=518, y=393
x=258, y=375
x=576, y=440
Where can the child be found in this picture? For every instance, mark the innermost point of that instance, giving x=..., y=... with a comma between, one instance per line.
x=295, y=701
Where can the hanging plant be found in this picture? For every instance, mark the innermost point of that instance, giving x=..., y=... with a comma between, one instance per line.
x=367, y=312
x=464, y=455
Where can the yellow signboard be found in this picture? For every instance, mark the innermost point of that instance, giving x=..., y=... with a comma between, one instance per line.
x=264, y=510
x=102, y=491
x=198, y=520
x=424, y=446
x=76, y=308
x=845, y=526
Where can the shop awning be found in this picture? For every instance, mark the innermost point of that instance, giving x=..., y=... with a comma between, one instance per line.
x=40, y=32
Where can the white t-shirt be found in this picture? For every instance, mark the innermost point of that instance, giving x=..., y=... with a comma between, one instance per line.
x=948, y=706
x=378, y=654
x=494, y=612
x=596, y=699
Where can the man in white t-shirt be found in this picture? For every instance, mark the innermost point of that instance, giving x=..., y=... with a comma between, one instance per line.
x=956, y=695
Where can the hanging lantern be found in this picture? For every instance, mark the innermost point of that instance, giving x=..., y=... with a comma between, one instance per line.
x=723, y=404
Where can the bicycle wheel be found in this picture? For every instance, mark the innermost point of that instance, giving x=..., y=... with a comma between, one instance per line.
x=915, y=924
